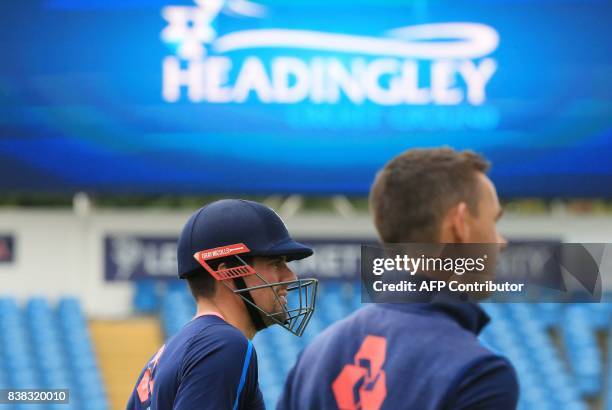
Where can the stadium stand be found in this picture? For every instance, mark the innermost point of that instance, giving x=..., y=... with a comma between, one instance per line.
x=545, y=383
x=608, y=380
x=43, y=347
x=146, y=296
x=579, y=337
x=557, y=349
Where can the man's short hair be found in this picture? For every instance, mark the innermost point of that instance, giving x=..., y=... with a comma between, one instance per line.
x=414, y=190
x=202, y=284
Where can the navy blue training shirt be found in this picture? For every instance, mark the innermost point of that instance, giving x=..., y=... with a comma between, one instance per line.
x=209, y=364
x=422, y=356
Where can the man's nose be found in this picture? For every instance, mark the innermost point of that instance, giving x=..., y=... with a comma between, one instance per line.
x=288, y=274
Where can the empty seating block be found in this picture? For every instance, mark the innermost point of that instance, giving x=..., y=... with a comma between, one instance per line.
x=44, y=347
x=146, y=296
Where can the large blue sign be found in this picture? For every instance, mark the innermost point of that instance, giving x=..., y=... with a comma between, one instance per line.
x=136, y=257
x=238, y=96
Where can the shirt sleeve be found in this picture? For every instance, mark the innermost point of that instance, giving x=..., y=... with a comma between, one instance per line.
x=134, y=402
x=490, y=384
x=219, y=374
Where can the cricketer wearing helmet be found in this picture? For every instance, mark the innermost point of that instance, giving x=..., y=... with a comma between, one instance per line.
x=233, y=254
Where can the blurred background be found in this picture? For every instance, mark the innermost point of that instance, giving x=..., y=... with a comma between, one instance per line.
x=118, y=118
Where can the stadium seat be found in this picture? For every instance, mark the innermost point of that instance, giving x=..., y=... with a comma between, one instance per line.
x=44, y=348
x=146, y=299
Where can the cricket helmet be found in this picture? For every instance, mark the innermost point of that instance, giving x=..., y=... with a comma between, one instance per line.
x=232, y=229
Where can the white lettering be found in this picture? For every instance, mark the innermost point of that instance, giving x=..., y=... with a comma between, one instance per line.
x=476, y=78
x=372, y=77
x=216, y=73
x=174, y=78
x=285, y=68
x=253, y=77
x=290, y=80
x=339, y=78
x=410, y=84
x=442, y=82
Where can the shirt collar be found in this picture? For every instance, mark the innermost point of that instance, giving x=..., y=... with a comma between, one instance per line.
x=468, y=315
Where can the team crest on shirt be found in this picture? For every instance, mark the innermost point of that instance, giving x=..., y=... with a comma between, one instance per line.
x=362, y=385
x=145, y=387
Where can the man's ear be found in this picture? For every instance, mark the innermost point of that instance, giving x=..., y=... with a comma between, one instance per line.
x=219, y=285
x=458, y=220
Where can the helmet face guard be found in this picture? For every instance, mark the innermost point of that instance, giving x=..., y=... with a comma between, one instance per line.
x=294, y=311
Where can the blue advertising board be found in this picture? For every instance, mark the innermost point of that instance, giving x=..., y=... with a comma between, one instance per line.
x=239, y=96
x=134, y=257
x=138, y=257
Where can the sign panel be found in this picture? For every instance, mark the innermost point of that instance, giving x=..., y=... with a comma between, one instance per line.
x=128, y=257
x=134, y=257
x=309, y=97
